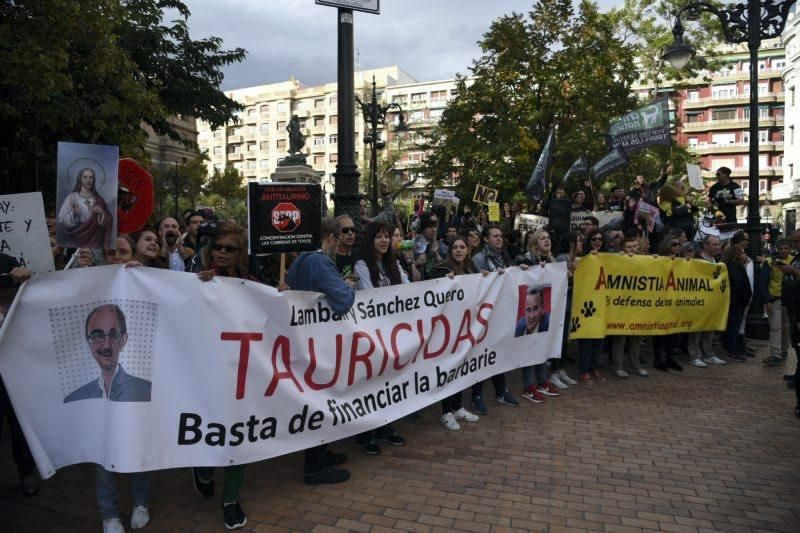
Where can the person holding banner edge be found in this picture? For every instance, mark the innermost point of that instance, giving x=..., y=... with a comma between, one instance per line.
x=378, y=267
x=457, y=263
x=225, y=255
x=316, y=271
x=492, y=258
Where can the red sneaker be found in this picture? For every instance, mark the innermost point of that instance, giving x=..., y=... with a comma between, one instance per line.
x=585, y=378
x=598, y=375
x=548, y=390
x=530, y=393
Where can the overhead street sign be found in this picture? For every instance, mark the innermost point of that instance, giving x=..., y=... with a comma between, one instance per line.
x=367, y=6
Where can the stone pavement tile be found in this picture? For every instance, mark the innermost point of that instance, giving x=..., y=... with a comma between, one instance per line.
x=704, y=450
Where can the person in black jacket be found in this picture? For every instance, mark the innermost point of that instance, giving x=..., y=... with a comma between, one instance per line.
x=740, y=294
x=12, y=275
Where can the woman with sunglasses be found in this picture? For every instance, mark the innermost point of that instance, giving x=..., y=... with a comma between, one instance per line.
x=225, y=255
x=378, y=267
x=457, y=263
x=589, y=349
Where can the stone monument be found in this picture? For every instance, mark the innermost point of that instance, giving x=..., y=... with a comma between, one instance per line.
x=293, y=168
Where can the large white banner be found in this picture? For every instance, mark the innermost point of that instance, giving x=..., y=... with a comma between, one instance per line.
x=230, y=371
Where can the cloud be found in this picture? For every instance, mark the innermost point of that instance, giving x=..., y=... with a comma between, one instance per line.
x=429, y=39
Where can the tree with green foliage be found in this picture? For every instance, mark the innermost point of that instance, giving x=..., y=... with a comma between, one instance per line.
x=229, y=184
x=647, y=26
x=94, y=71
x=557, y=67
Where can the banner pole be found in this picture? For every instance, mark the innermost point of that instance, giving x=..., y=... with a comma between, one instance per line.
x=282, y=278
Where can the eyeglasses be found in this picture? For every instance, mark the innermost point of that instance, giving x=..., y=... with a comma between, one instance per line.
x=349, y=229
x=98, y=337
x=226, y=248
x=597, y=239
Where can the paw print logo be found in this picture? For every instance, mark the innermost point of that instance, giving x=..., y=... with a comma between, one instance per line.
x=588, y=309
x=717, y=272
x=723, y=286
x=575, y=325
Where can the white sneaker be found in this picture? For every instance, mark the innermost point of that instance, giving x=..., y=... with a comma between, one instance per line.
x=113, y=525
x=562, y=375
x=554, y=381
x=140, y=517
x=642, y=373
x=698, y=363
x=714, y=360
x=449, y=421
x=621, y=374
x=463, y=414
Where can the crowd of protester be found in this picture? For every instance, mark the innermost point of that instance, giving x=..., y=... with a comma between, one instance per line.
x=455, y=244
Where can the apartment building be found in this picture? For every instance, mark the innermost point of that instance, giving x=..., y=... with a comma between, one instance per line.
x=165, y=152
x=258, y=141
x=714, y=117
x=789, y=192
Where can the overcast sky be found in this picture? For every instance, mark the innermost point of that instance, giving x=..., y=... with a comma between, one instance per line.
x=429, y=39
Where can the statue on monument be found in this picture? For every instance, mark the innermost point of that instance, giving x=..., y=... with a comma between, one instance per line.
x=296, y=143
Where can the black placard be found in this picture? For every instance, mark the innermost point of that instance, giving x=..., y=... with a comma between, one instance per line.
x=283, y=217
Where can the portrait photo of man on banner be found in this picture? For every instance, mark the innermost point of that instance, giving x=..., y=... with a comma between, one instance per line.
x=87, y=195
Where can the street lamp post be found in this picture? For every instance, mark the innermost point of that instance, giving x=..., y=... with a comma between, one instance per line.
x=741, y=23
x=374, y=116
x=346, y=190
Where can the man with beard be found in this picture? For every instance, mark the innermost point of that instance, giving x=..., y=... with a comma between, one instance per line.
x=316, y=271
x=174, y=253
x=344, y=250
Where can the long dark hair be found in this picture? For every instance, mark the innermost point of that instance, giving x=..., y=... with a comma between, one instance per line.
x=156, y=262
x=389, y=261
x=77, y=187
x=587, y=243
x=465, y=267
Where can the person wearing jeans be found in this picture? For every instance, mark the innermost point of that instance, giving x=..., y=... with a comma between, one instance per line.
x=588, y=360
x=772, y=277
x=106, y=483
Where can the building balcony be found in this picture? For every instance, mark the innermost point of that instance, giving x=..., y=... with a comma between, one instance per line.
x=235, y=139
x=235, y=157
x=252, y=154
x=250, y=137
x=251, y=119
x=785, y=191
x=319, y=111
x=728, y=124
x=744, y=172
x=318, y=130
x=741, y=99
x=318, y=149
x=733, y=148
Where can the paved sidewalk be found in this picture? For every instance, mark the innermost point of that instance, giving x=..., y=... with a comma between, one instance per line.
x=706, y=449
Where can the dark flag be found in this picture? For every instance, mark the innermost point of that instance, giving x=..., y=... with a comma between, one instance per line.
x=578, y=167
x=642, y=127
x=538, y=182
x=613, y=160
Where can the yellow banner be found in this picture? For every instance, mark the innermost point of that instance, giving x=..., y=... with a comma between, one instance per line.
x=617, y=294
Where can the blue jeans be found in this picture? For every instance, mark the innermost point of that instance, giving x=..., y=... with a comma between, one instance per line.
x=107, y=491
x=588, y=354
x=534, y=375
